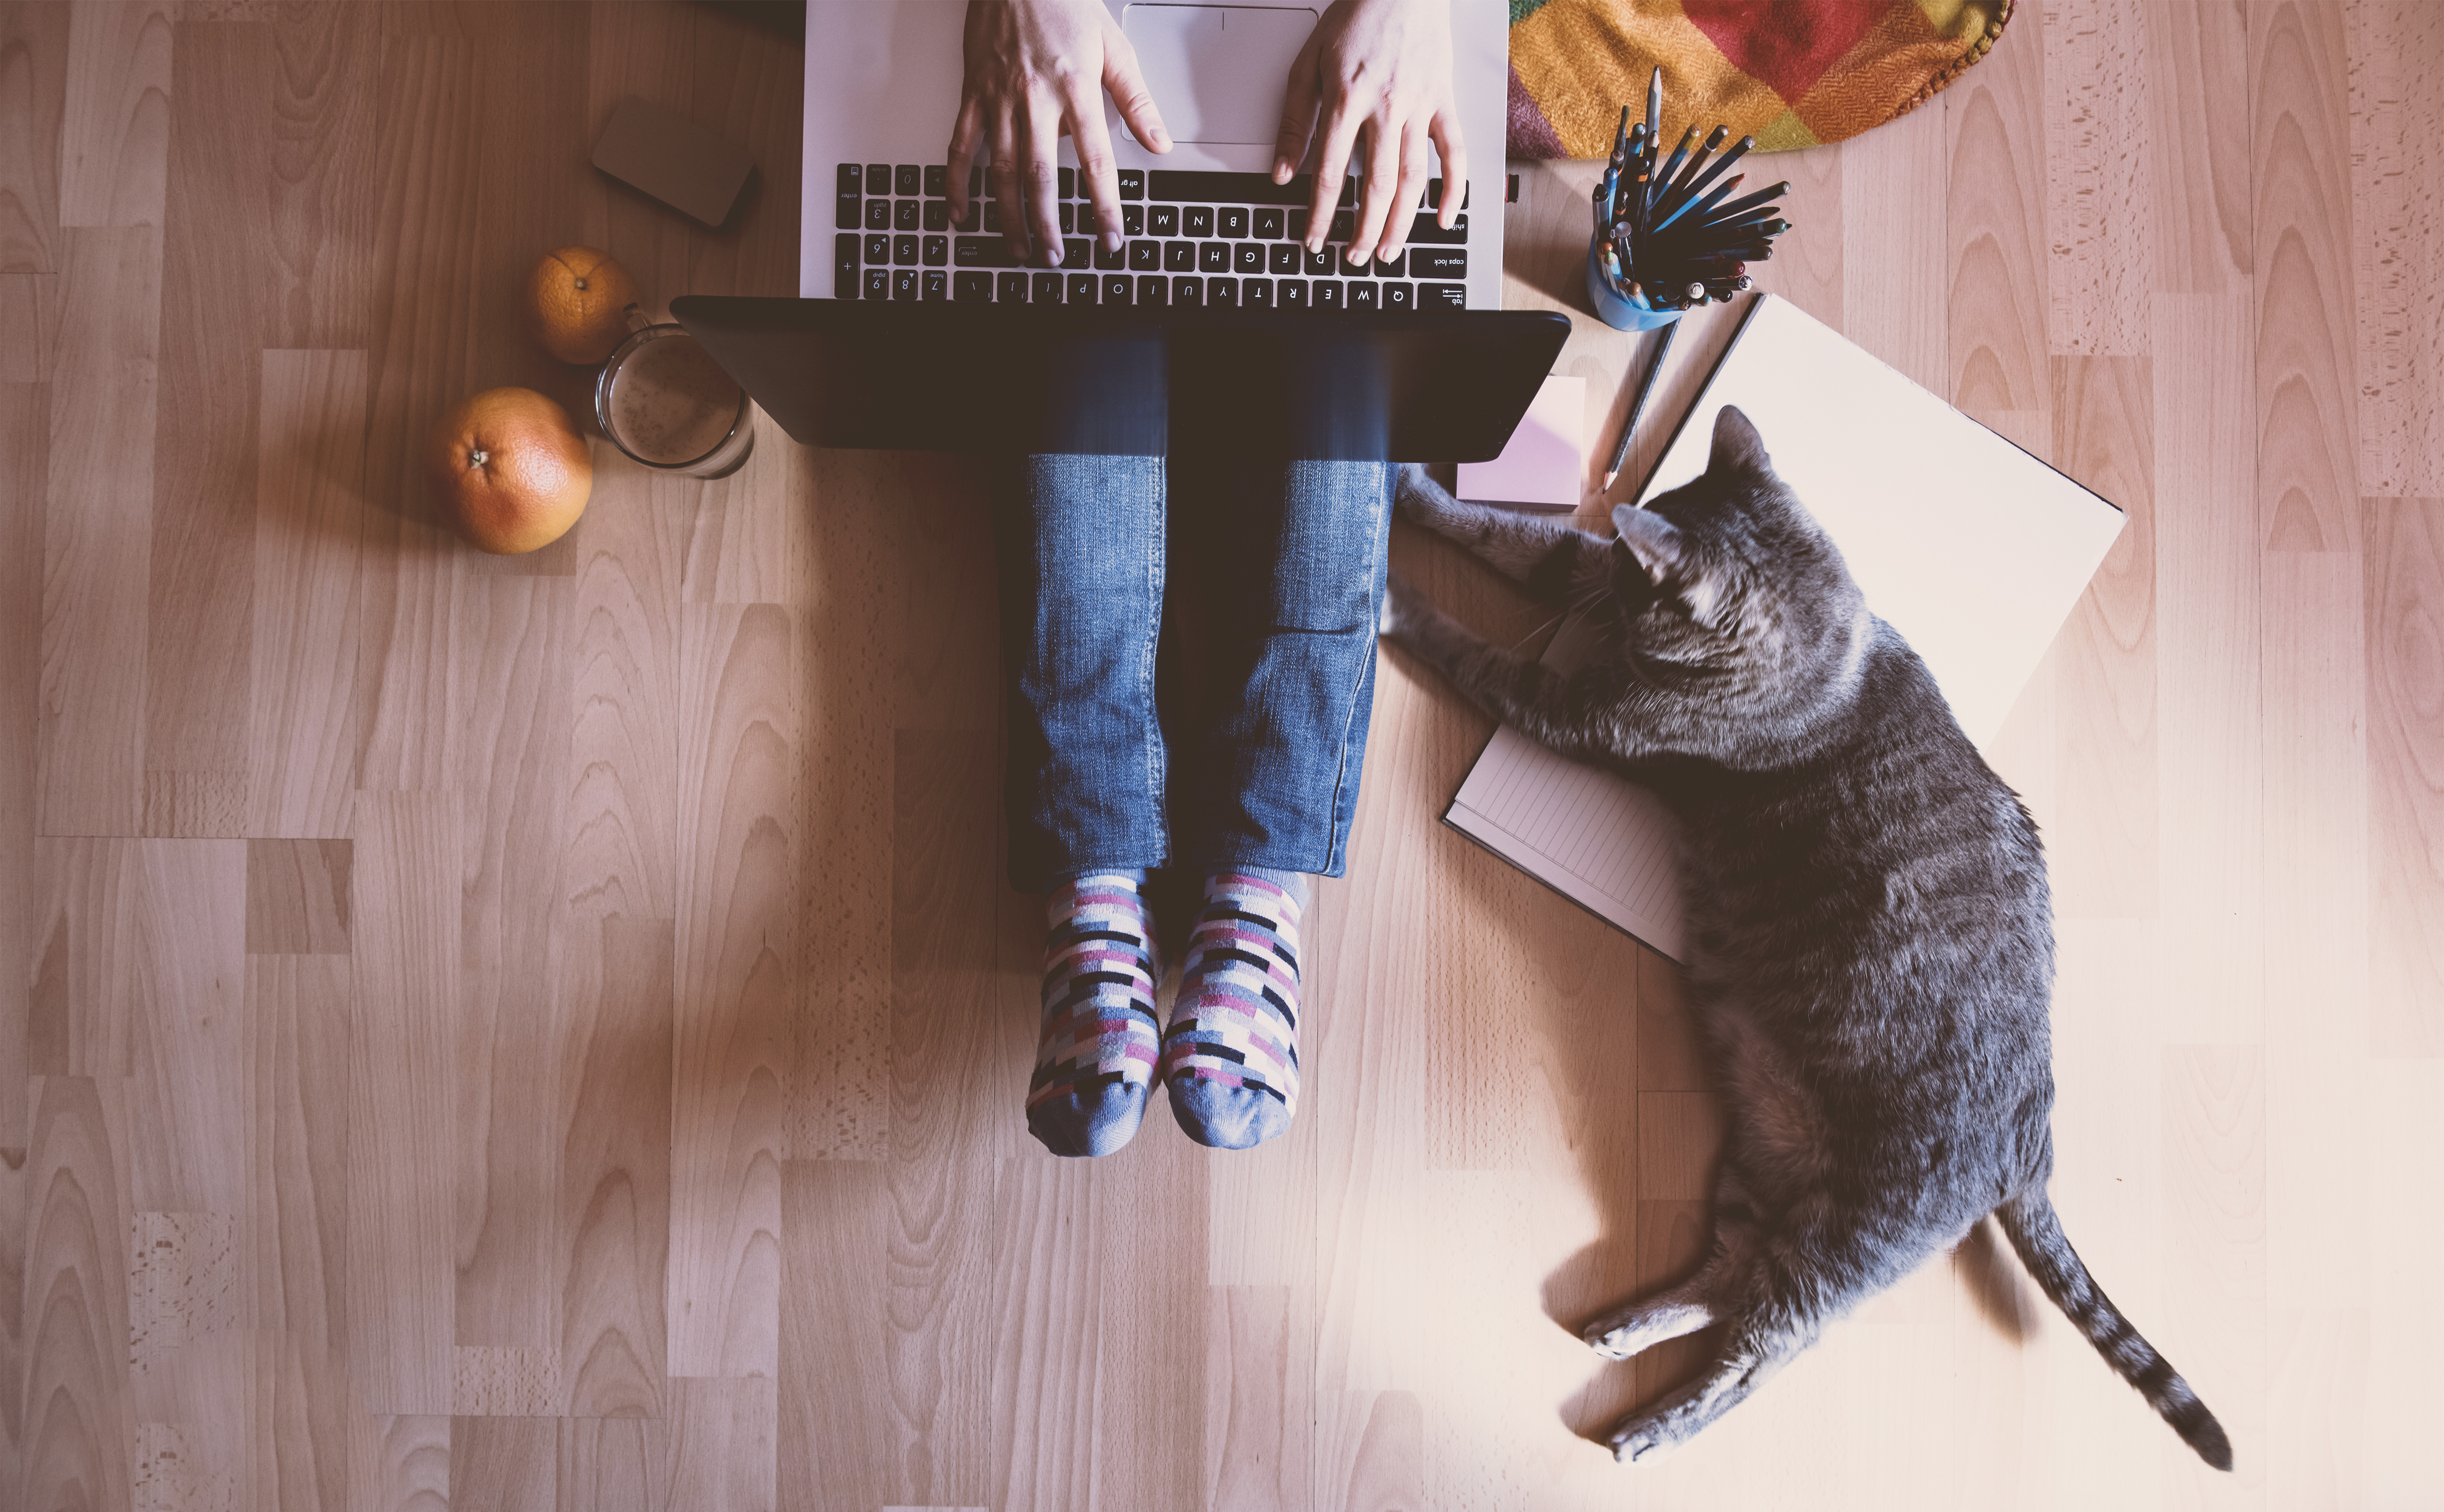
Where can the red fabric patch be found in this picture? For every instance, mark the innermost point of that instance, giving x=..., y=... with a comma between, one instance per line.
x=1785, y=45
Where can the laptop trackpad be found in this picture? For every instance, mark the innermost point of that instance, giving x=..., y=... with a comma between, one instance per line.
x=1217, y=73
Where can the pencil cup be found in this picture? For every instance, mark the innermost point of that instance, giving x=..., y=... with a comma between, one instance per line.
x=1613, y=308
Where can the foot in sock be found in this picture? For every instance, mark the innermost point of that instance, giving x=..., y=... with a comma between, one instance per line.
x=1095, y=1053
x=1229, y=1057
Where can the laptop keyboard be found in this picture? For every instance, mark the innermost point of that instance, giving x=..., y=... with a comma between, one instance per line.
x=1194, y=238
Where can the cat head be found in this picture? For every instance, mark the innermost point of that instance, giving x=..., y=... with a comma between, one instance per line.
x=1728, y=571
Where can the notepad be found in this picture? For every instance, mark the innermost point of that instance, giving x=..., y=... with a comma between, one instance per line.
x=1544, y=464
x=1973, y=549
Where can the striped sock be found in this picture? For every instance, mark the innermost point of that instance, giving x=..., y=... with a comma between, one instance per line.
x=1230, y=1055
x=1095, y=1053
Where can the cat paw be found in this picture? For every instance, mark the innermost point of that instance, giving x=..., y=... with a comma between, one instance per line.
x=1636, y=1440
x=1419, y=498
x=1612, y=1340
x=1403, y=607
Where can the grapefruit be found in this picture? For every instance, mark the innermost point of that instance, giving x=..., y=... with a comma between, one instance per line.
x=511, y=472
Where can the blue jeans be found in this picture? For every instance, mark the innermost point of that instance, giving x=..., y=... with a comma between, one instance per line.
x=1244, y=750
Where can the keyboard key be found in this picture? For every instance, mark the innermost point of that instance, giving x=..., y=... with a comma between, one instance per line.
x=1442, y=296
x=1284, y=258
x=1068, y=183
x=1198, y=220
x=938, y=215
x=1222, y=293
x=1292, y=293
x=1298, y=224
x=1434, y=195
x=976, y=180
x=1145, y=256
x=1132, y=183
x=849, y=179
x=904, y=249
x=1320, y=263
x=982, y=251
x=975, y=287
x=907, y=215
x=1107, y=258
x=878, y=247
x=1187, y=293
x=938, y=180
x=1212, y=187
x=1009, y=289
x=1393, y=267
x=1328, y=294
x=849, y=211
x=1116, y=288
x=1076, y=252
x=1087, y=221
x=1439, y=262
x=1179, y=257
x=1082, y=288
x=906, y=283
x=1232, y=220
x=1068, y=219
x=1047, y=289
x=992, y=217
x=1345, y=225
x=937, y=283
x=907, y=179
x=1429, y=232
x=1350, y=269
x=877, y=214
x=1162, y=220
x=1213, y=257
x=1400, y=297
x=1249, y=257
x=937, y=250
x=1362, y=296
x=878, y=178
x=1133, y=220
x=974, y=221
x=844, y=261
x=1153, y=289
x=1268, y=224
x=877, y=283
x=1256, y=293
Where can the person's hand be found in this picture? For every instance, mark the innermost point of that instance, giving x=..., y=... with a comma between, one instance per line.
x=1375, y=75
x=1036, y=70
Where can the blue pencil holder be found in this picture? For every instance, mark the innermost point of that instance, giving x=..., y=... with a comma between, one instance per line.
x=1619, y=313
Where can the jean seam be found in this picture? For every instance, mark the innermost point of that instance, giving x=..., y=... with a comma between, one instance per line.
x=1380, y=516
x=1157, y=550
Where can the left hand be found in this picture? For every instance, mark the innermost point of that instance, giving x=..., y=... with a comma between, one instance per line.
x=1374, y=77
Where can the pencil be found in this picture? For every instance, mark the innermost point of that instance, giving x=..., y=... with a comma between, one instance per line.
x=1637, y=404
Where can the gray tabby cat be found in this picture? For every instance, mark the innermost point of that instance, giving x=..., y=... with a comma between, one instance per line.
x=1870, y=933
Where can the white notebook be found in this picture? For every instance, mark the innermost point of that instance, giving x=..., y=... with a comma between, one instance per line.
x=1974, y=550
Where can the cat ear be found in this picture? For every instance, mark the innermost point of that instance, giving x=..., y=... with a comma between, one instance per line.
x=1738, y=449
x=1654, y=541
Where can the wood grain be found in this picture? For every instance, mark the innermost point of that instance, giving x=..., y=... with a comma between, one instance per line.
x=2397, y=173
x=299, y=1017
x=2197, y=140
x=2405, y=693
x=1895, y=245
x=25, y=426
x=33, y=91
x=77, y=1435
x=97, y=525
x=2308, y=421
x=1995, y=218
x=115, y=134
x=188, y=1083
x=2100, y=213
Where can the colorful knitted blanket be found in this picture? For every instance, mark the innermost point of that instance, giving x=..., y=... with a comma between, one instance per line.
x=1790, y=73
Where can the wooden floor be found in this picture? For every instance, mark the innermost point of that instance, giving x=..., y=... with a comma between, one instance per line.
x=549, y=1033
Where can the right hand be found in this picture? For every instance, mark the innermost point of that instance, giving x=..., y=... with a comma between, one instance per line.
x=1035, y=72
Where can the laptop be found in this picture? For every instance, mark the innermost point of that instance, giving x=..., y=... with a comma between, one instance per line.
x=1206, y=226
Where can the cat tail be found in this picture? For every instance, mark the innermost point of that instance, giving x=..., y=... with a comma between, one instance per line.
x=2035, y=1231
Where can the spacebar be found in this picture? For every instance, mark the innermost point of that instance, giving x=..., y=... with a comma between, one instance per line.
x=1212, y=187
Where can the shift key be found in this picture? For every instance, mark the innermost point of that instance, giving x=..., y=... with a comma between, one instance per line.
x=1437, y=262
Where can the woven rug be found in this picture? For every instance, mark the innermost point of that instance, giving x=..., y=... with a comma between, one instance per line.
x=1790, y=73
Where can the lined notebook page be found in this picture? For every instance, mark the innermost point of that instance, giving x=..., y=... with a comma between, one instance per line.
x=1971, y=547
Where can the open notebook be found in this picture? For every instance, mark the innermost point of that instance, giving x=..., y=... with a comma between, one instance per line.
x=1974, y=550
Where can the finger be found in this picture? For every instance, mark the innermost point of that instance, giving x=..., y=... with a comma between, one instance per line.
x=1002, y=183
x=1382, y=185
x=1039, y=168
x=965, y=132
x=1095, y=165
x=1453, y=150
x=1126, y=86
x=1298, y=114
x=1409, y=195
x=1340, y=134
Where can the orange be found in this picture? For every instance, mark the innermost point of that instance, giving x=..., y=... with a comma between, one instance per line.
x=512, y=474
x=577, y=302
